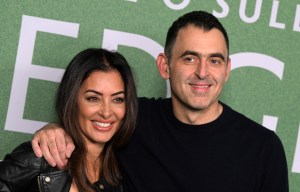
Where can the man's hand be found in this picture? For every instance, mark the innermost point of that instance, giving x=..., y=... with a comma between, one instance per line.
x=54, y=144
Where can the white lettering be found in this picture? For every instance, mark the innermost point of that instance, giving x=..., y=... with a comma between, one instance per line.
x=225, y=9
x=24, y=69
x=266, y=62
x=270, y=122
x=111, y=40
x=179, y=6
x=249, y=59
x=256, y=14
x=296, y=162
x=274, y=13
x=297, y=19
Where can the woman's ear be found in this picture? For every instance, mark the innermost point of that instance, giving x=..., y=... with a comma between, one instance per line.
x=163, y=66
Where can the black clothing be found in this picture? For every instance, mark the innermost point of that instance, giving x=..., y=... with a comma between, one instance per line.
x=232, y=153
x=21, y=170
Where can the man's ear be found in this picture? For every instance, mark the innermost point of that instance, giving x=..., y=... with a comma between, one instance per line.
x=163, y=66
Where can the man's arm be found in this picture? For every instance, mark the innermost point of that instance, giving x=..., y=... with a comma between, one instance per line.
x=54, y=144
x=276, y=175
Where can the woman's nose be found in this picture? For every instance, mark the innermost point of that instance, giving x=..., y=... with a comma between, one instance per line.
x=105, y=110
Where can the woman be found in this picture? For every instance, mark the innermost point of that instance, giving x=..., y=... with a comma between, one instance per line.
x=96, y=104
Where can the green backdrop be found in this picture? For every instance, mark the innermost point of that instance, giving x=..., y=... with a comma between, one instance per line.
x=38, y=39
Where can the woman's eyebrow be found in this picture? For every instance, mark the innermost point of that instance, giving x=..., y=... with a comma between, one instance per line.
x=99, y=93
x=118, y=93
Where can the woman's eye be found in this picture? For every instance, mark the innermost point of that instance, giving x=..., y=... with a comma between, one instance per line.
x=92, y=99
x=119, y=100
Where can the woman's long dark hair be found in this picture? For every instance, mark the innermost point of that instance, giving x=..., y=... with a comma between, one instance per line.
x=78, y=70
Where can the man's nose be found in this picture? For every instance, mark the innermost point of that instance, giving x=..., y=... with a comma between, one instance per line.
x=202, y=69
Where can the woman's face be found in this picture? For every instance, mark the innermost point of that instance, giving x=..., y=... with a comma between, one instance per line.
x=101, y=106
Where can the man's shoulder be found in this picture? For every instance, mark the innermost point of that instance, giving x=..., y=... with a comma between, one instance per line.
x=153, y=101
x=154, y=106
x=244, y=123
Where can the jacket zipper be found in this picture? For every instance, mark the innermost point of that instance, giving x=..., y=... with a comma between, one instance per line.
x=39, y=183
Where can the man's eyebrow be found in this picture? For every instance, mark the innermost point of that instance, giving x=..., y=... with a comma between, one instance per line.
x=189, y=52
x=220, y=55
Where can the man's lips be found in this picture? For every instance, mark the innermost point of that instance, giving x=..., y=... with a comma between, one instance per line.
x=200, y=86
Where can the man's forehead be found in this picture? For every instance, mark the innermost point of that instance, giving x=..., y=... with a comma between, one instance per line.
x=198, y=40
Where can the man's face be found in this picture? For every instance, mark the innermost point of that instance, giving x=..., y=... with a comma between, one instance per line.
x=198, y=69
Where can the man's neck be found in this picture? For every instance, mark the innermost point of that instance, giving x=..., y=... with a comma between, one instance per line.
x=200, y=116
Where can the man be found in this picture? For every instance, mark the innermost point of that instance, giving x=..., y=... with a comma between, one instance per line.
x=192, y=141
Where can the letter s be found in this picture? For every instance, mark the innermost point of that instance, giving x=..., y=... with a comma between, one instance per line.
x=224, y=7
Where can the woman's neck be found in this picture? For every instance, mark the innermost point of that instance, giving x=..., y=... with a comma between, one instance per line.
x=93, y=169
x=93, y=163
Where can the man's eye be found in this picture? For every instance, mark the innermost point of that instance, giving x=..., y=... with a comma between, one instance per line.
x=189, y=60
x=215, y=61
